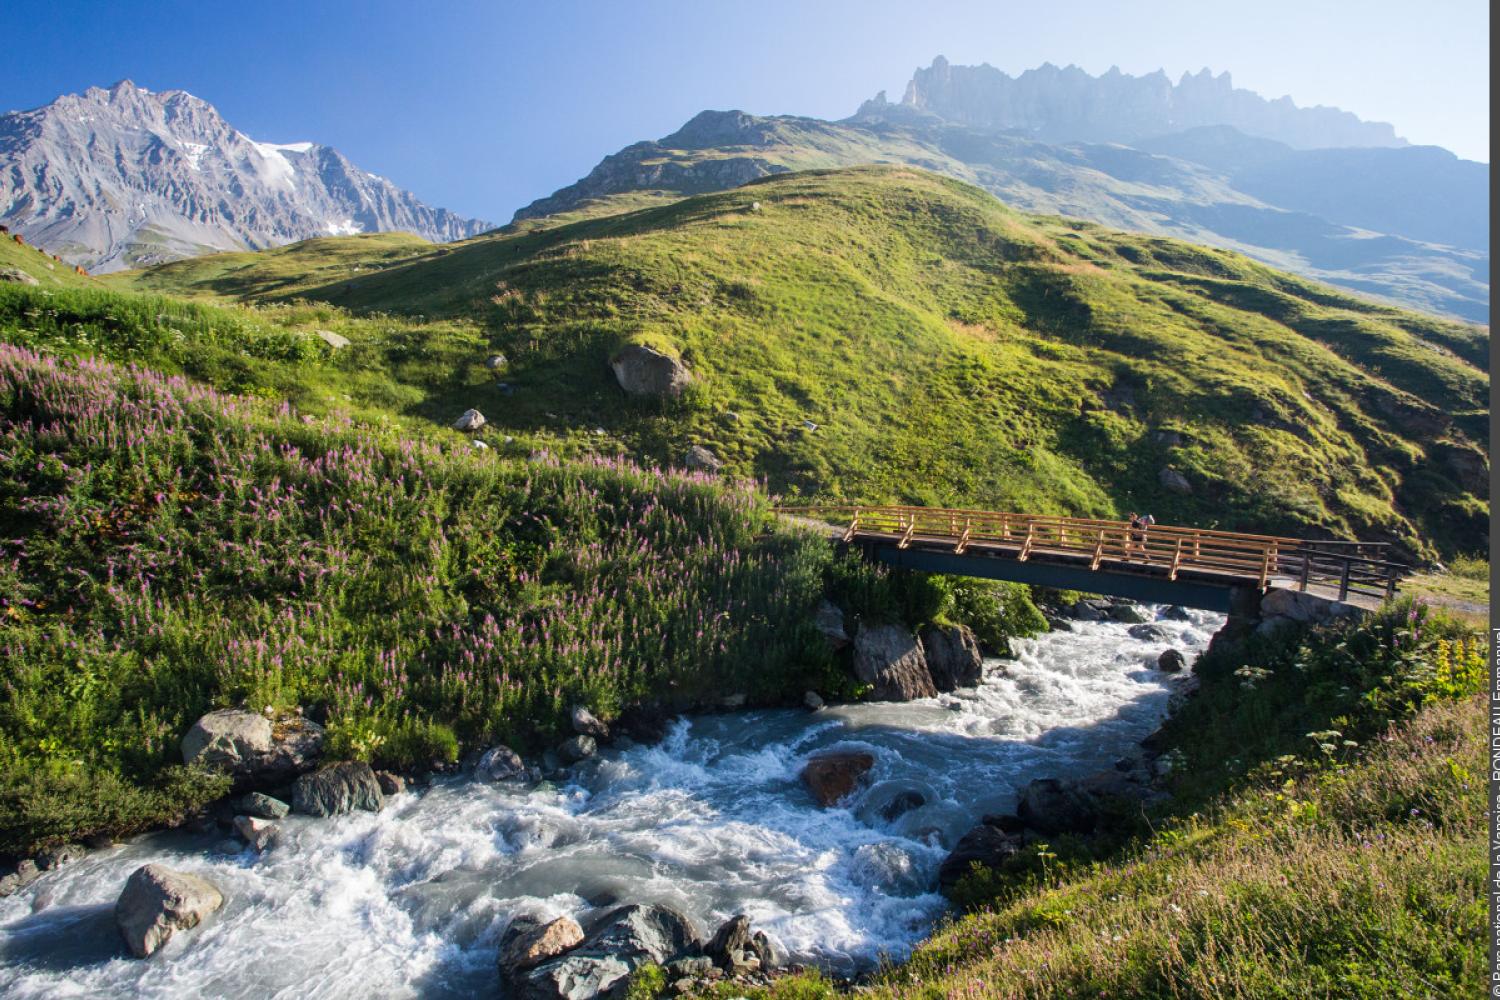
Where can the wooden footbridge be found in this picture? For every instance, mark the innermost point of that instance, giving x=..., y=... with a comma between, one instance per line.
x=1160, y=564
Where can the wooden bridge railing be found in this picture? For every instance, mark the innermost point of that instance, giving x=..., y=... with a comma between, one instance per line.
x=1349, y=567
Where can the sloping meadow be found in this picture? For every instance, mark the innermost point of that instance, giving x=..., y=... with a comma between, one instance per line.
x=165, y=549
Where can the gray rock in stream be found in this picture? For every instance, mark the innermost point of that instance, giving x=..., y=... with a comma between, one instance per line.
x=890, y=658
x=157, y=902
x=338, y=788
x=577, y=749
x=624, y=940
x=500, y=763
x=953, y=656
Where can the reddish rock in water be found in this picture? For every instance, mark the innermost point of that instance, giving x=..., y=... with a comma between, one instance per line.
x=833, y=776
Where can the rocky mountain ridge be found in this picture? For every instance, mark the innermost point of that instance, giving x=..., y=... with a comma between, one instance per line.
x=1067, y=104
x=1405, y=223
x=120, y=177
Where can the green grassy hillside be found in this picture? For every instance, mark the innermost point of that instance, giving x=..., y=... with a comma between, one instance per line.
x=49, y=273
x=948, y=350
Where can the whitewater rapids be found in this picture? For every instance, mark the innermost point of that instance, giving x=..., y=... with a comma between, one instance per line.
x=713, y=821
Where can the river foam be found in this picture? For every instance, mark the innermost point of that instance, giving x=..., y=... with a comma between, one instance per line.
x=714, y=821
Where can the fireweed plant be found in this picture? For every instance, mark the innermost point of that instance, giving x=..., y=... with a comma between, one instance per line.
x=165, y=549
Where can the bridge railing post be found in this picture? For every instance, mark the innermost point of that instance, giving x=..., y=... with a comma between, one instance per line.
x=1344, y=581
x=1306, y=569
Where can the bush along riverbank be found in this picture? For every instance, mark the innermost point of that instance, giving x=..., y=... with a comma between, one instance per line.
x=167, y=551
x=1323, y=837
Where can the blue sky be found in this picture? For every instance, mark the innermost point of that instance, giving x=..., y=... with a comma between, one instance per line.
x=482, y=107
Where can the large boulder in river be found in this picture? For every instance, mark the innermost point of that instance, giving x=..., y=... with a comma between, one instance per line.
x=889, y=657
x=1148, y=632
x=157, y=902
x=1170, y=661
x=528, y=942
x=621, y=942
x=253, y=750
x=500, y=763
x=832, y=776
x=645, y=371
x=953, y=656
x=987, y=845
x=338, y=788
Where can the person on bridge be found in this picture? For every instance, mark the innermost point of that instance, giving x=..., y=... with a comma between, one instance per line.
x=1131, y=535
x=1146, y=521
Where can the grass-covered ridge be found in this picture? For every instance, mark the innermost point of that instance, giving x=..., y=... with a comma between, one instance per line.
x=165, y=550
x=948, y=350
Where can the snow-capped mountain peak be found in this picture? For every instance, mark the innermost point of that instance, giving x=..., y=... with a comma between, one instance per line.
x=121, y=176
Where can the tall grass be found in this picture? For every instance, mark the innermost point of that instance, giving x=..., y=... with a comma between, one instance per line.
x=165, y=550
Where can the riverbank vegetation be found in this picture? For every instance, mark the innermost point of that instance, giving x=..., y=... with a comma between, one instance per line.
x=1326, y=838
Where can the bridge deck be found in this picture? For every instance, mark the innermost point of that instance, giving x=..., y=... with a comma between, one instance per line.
x=1165, y=564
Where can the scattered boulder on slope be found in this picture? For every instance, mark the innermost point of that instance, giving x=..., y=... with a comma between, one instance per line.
x=495, y=361
x=471, y=420
x=333, y=340
x=157, y=902
x=1174, y=482
x=953, y=656
x=644, y=371
x=17, y=276
x=338, y=788
x=832, y=776
x=700, y=459
x=889, y=657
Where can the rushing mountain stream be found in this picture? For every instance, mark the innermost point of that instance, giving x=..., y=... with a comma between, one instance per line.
x=713, y=821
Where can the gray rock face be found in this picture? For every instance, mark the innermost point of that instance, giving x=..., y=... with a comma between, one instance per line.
x=953, y=656
x=258, y=833
x=888, y=657
x=262, y=805
x=829, y=621
x=985, y=845
x=585, y=723
x=501, y=763
x=644, y=371
x=1170, y=661
x=1174, y=482
x=577, y=749
x=157, y=902
x=623, y=940
x=121, y=177
x=250, y=748
x=700, y=459
x=16, y=276
x=338, y=788
x=830, y=777
x=229, y=739
x=471, y=420
x=1053, y=806
x=529, y=942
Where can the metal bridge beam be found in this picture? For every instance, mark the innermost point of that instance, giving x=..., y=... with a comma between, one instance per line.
x=1148, y=590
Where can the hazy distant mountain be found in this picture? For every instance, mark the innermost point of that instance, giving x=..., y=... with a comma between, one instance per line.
x=1068, y=105
x=120, y=177
x=1409, y=223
